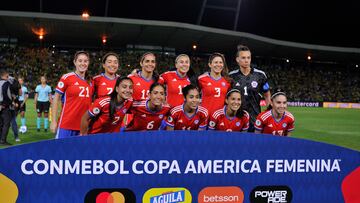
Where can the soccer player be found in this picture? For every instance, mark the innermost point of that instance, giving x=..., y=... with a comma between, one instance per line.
x=22, y=100
x=188, y=116
x=42, y=103
x=176, y=80
x=149, y=114
x=231, y=117
x=251, y=82
x=107, y=113
x=276, y=119
x=214, y=85
x=145, y=78
x=105, y=82
x=77, y=98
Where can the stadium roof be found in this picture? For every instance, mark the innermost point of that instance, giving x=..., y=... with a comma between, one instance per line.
x=73, y=30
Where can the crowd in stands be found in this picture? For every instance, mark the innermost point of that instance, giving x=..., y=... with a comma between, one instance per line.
x=303, y=81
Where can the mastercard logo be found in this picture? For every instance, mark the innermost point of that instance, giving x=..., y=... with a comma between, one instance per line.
x=114, y=197
x=111, y=195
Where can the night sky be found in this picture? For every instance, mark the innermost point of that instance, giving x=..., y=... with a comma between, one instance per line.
x=334, y=23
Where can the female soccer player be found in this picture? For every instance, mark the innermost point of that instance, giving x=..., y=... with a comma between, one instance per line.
x=176, y=80
x=149, y=114
x=214, y=85
x=188, y=116
x=77, y=98
x=42, y=103
x=22, y=100
x=276, y=119
x=145, y=78
x=105, y=82
x=107, y=113
x=231, y=117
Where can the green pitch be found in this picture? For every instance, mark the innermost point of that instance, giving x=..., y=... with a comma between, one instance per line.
x=334, y=126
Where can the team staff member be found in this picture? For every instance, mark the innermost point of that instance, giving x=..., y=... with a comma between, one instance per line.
x=22, y=100
x=6, y=102
x=188, y=116
x=231, y=117
x=214, y=85
x=77, y=98
x=107, y=113
x=149, y=114
x=42, y=103
x=105, y=82
x=276, y=119
x=176, y=80
x=251, y=82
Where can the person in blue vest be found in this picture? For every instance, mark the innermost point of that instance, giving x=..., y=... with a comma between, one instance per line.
x=42, y=103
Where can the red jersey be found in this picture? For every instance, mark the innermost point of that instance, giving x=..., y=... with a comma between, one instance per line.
x=141, y=87
x=77, y=100
x=144, y=118
x=174, y=84
x=266, y=123
x=103, y=85
x=219, y=121
x=180, y=121
x=213, y=92
x=100, y=110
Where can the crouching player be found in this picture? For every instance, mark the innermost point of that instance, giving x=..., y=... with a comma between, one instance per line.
x=276, y=119
x=231, y=117
x=188, y=116
x=107, y=113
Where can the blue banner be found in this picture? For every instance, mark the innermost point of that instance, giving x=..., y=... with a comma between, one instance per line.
x=178, y=166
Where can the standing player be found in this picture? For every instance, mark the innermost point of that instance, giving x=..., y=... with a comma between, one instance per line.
x=251, y=82
x=105, y=82
x=107, y=113
x=231, y=117
x=214, y=85
x=176, y=80
x=22, y=100
x=276, y=120
x=145, y=78
x=42, y=103
x=188, y=116
x=149, y=114
x=77, y=98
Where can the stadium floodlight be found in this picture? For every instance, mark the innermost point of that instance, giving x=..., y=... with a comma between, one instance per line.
x=357, y=66
x=309, y=58
x=85, y=15
x=287, y=60
x=194, y=46
x=41, y=37
x=104, y=40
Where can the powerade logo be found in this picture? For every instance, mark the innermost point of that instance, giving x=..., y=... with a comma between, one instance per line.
x=113, y=195
x=271, y=194
x=167, y=195
x=172, y=197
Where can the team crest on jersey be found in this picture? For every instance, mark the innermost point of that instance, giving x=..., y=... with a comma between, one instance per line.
x=124, y=111
x=161, y=116
x=237, y=124
x=196, y=121
x=61, y=84
x=254, y=84
x=76, y=83
x=170, y=119
x=223, y=84
x=258, y=122
x=96, y=110
x=237, y=84
x=212, y=123
x=284, y=125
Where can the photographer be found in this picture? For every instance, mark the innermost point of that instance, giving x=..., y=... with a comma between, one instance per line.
x=5, y=105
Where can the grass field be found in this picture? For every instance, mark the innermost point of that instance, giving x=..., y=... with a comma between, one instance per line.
x=335, y=126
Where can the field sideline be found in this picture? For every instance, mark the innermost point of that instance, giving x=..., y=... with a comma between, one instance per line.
x=334, y=126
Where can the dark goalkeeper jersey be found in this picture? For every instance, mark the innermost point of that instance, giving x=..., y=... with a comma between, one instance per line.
x=252, y=87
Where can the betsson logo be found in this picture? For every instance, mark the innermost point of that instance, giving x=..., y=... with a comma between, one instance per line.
x=229, y=194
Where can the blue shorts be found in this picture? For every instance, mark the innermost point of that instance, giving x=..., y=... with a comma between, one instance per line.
x=64, y=133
